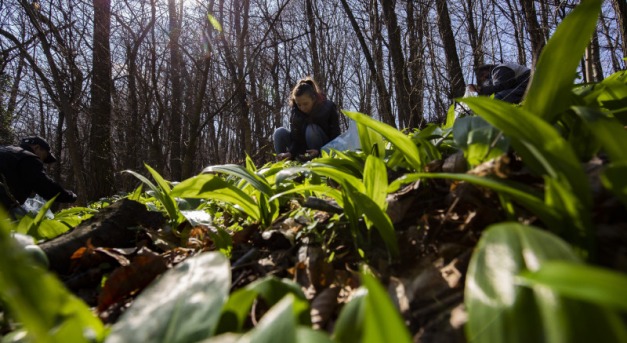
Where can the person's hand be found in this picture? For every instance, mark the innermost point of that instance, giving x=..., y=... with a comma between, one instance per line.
x=312, y=153
x=284, y=156
x=472, y=88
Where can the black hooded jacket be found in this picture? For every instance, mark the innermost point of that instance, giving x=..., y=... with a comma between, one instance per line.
x=324, y=114
x=22, y=173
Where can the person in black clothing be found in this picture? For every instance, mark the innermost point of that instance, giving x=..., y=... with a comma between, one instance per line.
x=22, y=174
x=314, y=122
x=507, y=81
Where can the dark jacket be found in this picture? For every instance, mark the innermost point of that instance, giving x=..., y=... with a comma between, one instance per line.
x=506, y=76
x=22, y=172
x=324, y=114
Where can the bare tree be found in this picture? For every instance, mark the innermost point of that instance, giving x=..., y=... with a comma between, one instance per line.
x=453, y=67
x=536, y=33
x=100, y=158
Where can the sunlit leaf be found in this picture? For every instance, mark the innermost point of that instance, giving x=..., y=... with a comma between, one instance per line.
x=583, y=282
x=214, y=22
x=207, y=186
x=550, y=91
x=397, y=138
x=238, y=171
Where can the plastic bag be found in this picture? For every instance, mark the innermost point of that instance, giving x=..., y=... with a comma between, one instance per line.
x=33, y=206
x=348, y=140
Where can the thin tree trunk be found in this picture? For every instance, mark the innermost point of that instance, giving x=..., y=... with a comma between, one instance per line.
x=313, y=41
x=620, y=6
x=536, y=34
x=453, y=67
x=176, y=109
x=402, y=84
x=101, y=161
x=385, y=108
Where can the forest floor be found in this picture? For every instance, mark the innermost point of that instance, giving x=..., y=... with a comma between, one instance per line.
x=438, y=224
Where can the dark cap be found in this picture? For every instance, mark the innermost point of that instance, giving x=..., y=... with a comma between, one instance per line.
x=485, y=67
x=36, y=140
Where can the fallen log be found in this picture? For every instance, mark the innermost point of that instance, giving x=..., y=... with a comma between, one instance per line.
x=111, y=227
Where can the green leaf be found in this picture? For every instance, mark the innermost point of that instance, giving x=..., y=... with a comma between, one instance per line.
x=214, y=22
x=349, y=326
x=376, y=216
x=164, y=195
x=337, y=175
x=609, y=131
x=238, y=171
x=582, y=282
x=538, y=143
x=271, y=289
x=207, y=186
x=397, y=138
x=500, y=309
x=613, y=178
x=376, y=181
x=550, y=91
x=279, y=323
x=183, y=305
x=39, y=301
x=382, y=321
x=479, y=140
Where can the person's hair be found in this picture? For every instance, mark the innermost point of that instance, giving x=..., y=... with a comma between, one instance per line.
x=307, y=86
x=484, y=67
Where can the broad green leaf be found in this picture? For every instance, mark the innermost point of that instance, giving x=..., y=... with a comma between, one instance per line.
x=183, y=305
x=382, y=321
x=550, y=91
x=164, y=194
x=376, y=181
x=479, y=140
x=238, y=171
x=206, y=186
x=271, y=289
x=537, y=142
x=582, y=282
x=397, y=138
x=349, y=326
x=376, y=216
x=609, y=131
x=279, y=324
x=577, y=230
x=322, y=190
x=39, y=301
x=337, y=175
x=500, y=309
x=30, y=226
x=613, y=178
x=48, y=229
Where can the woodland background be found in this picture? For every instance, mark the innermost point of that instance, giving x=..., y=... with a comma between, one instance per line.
x=182, y=84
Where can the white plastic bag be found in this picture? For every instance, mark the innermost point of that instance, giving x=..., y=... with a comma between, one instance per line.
x=34, y=204
x=348, y=140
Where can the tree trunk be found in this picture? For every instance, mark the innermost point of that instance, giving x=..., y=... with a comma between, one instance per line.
x=100, y=155
x=402, y=85
x=453, y=67
x=385, y=108
x=313, y=41
x=176, y=109
x=620, y=6
x=536, y=34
